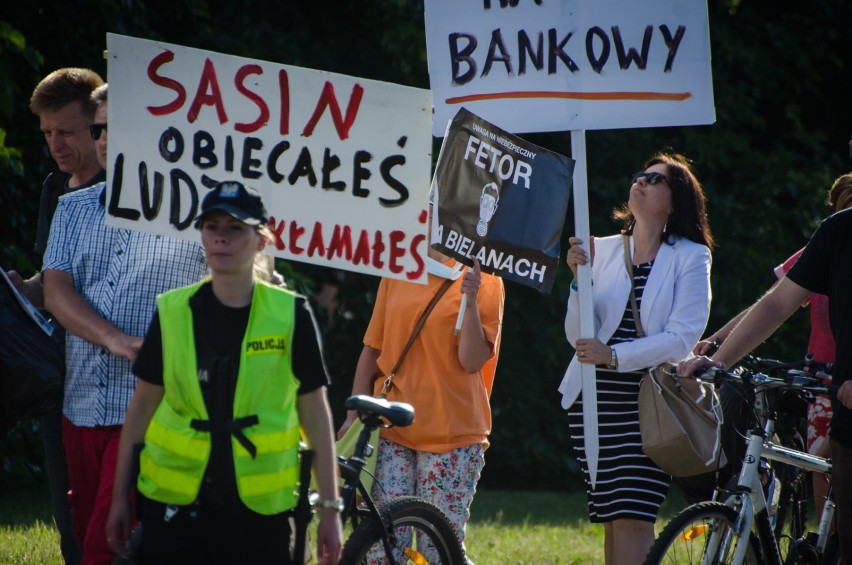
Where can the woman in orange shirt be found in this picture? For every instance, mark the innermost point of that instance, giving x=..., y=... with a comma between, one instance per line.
x=446, y=378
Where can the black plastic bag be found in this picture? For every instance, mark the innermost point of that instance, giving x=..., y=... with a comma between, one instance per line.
x=32, y=365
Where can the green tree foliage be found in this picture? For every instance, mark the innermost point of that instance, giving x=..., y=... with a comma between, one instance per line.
x=782, y=79
x=19, y=67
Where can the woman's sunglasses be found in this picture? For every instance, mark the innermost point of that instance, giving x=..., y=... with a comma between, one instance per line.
x=650, y=178
x=96, y=129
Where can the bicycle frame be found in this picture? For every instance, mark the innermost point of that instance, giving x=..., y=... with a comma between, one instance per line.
x=807, y=462
x=350, y=470
x=749, y=500
x=406, y=528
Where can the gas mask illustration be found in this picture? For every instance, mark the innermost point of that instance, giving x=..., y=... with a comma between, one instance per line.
x=487, y=207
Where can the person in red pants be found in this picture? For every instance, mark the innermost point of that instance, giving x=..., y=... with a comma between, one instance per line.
x=100, y=283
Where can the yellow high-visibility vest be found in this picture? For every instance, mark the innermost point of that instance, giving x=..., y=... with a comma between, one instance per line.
x=265, y=426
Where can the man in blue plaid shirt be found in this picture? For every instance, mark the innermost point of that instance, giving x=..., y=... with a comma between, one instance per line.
x=101, y=282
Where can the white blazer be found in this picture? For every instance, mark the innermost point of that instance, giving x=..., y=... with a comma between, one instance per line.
x=674, y=310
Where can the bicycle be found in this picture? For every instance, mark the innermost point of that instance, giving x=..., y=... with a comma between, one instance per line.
x=795, y=495
x=402, y=530
x=735, y=527
x=741, y=408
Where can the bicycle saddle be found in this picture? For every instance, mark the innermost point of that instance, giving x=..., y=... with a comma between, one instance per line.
x=397, y=413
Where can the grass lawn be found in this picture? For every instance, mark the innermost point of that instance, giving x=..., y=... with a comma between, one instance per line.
x=27, y=533
x=540, y=528
x=506, y=527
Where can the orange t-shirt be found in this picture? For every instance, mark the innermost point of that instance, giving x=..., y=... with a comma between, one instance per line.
x=451, y=406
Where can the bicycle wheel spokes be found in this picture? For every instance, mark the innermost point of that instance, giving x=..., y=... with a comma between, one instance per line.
x=703, y=533
x=706, y=536
x=422, y=535
x=412, y=543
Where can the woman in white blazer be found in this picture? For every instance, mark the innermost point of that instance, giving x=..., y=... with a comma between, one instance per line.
x=669, y=240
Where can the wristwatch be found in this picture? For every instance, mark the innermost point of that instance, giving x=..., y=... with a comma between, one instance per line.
x=336, y=504
x=613, y=361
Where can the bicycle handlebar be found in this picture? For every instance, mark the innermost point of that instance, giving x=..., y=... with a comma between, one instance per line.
x=806, y=364
x=795, y=380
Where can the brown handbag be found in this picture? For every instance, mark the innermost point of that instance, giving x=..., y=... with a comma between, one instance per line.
x=680, y=421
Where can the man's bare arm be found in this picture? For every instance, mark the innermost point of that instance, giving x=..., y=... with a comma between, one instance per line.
x=79, y=318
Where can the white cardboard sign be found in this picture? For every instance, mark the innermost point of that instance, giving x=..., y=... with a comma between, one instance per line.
x=342, y=163
x=557, y=65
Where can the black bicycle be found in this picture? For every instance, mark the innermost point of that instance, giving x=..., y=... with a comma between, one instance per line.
x=401, y=530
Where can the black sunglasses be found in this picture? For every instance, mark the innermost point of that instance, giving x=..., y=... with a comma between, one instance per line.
x=96, y=129
x=650, y=178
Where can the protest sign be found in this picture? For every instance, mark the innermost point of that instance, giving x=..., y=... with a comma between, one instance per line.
x=501, y=200
x=342, y=163
x=570, y=64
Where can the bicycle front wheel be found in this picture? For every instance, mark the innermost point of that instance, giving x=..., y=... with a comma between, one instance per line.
x=792, y=515
x=702, y=533
x=421, y=534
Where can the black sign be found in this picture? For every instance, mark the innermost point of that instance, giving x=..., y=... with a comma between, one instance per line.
x=500, y=199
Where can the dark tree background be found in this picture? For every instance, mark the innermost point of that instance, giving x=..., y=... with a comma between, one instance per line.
x=782, y=82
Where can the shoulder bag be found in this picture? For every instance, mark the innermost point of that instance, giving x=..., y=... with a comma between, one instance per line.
x=680, y=420
x=681, y=423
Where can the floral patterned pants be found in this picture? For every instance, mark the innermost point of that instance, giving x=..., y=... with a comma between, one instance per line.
x=447, y=480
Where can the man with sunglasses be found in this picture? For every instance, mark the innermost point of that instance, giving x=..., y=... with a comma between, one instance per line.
x=62, y=102
x=64, y=109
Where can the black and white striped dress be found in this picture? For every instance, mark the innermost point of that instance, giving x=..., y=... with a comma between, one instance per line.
x=628, y=484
